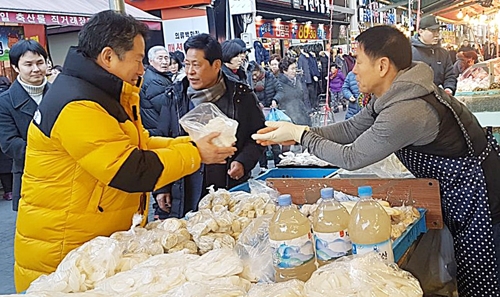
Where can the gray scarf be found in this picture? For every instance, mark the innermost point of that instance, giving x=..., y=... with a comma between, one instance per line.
x=211, y=94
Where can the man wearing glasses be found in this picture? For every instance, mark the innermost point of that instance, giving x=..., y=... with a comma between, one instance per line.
x=156, y=79
x=426, y=47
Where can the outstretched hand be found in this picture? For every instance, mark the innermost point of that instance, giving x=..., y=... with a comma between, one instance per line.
x=279, y=133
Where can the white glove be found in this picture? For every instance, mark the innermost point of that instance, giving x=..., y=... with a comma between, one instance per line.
x=352, y=99
x=286, y=131
x=315, y=78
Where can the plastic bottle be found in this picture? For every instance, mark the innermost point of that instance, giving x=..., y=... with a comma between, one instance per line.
x=330, y=222
x=291, y=240
x=370, y=227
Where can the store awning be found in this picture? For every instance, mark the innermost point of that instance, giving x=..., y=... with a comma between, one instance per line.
x=471, y=8
x=64, y=12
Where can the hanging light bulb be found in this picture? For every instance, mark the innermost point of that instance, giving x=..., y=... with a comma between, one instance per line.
x=460, y=14
x=466, y=17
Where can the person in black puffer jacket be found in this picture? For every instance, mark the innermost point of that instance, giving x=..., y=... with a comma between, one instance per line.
x=266, y=86
x=157, y=79
x=269, y=92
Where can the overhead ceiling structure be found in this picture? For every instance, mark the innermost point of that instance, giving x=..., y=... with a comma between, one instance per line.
x=450, y=12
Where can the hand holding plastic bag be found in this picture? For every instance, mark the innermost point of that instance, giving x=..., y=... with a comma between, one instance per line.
x=207, y=118
x=276, y=115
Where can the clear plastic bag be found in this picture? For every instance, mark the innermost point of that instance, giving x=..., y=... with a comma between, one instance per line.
x=291, y=288
x=389, y=167
x=207, y=118
x=254, y=250
x=259, y=187
x=362, y=276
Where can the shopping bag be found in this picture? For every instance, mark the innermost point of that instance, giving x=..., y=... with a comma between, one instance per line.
x=276, y=115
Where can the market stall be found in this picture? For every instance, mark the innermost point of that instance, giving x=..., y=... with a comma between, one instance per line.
x=479, y=89
x=224, y=248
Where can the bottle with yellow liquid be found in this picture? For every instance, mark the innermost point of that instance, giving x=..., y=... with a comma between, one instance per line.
x=370, y=227
x=291, y=241
x=330, y=222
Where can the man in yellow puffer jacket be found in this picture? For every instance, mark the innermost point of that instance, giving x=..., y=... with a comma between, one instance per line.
x=89, y=161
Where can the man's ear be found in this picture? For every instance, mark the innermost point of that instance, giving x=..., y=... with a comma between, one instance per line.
x=15, y=68
x=217, y=64
x=384, y=66
x=105, y=57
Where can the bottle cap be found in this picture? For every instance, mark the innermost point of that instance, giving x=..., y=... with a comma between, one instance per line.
x=285, y=200
x=326, y=193
x=365, y=191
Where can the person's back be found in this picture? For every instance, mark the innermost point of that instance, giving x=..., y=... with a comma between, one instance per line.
x=426, y=48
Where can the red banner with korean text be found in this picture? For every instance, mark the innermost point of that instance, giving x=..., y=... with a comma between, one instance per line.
x=286, y=30
x=53, y=19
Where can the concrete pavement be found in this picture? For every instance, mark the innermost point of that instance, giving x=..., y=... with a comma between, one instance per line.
x=7, y=229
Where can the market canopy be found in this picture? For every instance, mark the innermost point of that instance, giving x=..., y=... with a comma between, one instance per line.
x=64, y=12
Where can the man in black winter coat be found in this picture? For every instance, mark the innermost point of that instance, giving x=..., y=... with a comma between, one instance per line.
x=205, y=82
x=426, y=48
x=157, y=79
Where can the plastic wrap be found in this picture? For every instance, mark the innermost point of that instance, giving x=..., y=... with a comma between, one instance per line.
x=205, y=289
x=362, y=276
x=291, y=288
x=389, y=167
x=82, y=268
x=260, y=187
x=143, y=280
x=254, y=250
x=301, y=159
x=214, y=264
x=207, y=118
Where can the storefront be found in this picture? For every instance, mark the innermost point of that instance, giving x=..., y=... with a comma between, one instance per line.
x=55, y=25
x=278, y=36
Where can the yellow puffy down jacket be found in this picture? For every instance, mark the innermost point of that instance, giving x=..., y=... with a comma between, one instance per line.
x=88, y=161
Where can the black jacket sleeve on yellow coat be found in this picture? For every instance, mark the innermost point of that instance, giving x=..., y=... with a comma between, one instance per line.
x=88, y=160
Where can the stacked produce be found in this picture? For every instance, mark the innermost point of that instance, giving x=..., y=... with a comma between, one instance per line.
x=223, y=215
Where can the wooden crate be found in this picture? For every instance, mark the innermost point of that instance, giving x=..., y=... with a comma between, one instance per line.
x=419, y=192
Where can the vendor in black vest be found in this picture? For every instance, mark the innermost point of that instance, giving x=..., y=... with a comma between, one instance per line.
x=443, y=140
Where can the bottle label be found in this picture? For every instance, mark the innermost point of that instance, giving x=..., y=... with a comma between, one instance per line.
x=333, y=245
x=293, y=252
x=384, y=249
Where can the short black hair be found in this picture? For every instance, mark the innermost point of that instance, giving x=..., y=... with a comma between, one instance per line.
x=110, y=28
x=58, y=67
x=180, y=55
x=386, y=41
x=285, y=63
x=22, y=47
x=211, y=47
x=231, y=49
x=175, y=58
